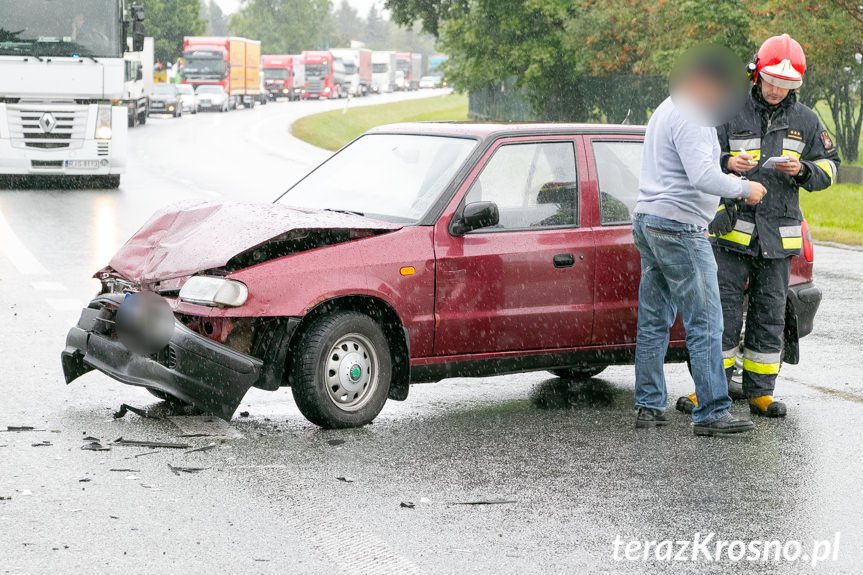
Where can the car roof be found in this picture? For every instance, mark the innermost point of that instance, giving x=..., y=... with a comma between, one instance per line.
x=486, y=130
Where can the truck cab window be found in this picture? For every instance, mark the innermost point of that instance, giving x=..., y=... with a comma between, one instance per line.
x=533, y=185
x=618, y=165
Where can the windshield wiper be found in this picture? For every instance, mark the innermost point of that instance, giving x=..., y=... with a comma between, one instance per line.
x=351, y=212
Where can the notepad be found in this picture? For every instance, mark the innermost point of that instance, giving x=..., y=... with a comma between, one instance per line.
x=770, y=162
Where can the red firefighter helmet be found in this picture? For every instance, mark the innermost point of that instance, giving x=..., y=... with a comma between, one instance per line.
x=781, y=61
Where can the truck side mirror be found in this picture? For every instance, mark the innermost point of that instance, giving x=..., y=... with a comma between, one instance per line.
x=137, y=36
x=475, y=216
x=140, y=74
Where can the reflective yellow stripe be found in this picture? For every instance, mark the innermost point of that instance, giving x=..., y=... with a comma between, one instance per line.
x=761, y=368
x=792, y=243
x=738, y=237
x=729, y=362
x=790, y=153
x=828, y=168
x=756, y=154
x=720, y=208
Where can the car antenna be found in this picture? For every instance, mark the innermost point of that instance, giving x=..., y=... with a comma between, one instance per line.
x=625, y=121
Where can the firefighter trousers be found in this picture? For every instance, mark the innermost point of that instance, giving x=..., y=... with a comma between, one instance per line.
x=767, y=281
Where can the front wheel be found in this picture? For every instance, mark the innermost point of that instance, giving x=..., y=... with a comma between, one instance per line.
x=579, y=373
x=341, y=371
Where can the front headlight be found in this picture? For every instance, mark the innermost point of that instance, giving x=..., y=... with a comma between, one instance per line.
x=103, y=123
x=214, y=292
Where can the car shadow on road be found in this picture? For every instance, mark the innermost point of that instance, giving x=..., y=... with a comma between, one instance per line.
x=558, y=393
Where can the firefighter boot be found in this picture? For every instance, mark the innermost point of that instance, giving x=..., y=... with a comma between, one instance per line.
x=766, y=406
x=687, y=404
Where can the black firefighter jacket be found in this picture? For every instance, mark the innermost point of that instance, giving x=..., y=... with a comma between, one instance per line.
x=772, y=228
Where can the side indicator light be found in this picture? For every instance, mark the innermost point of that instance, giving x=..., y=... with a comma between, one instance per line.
x=408, y=271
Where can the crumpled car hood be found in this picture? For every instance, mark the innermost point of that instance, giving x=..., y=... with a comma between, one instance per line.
x=193, y=236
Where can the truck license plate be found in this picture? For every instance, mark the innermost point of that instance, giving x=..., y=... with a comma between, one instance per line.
x=82, y=164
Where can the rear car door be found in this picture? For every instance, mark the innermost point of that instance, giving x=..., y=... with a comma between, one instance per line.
x=615, y=164
x=525, y=284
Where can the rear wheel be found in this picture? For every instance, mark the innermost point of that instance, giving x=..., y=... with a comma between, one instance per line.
x=576, y=373
x=340, y=374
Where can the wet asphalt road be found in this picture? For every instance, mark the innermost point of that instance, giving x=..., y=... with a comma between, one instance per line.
x=266, y=498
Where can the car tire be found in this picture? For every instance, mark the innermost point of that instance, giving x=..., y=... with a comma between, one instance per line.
x=340, y=374
x=579, y=373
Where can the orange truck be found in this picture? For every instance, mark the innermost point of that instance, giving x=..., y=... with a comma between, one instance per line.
x=233, y=63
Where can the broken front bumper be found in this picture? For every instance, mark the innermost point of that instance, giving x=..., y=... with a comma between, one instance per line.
x=193, y=368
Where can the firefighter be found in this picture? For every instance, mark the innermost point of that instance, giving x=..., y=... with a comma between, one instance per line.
x=754, y=245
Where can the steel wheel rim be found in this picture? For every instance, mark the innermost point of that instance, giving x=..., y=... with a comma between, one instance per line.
x=351, y=372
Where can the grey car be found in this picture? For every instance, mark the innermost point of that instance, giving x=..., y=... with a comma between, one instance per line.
x=166, y=99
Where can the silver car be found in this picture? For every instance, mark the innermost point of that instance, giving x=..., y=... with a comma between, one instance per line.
x=213, y=97
x=188, y=97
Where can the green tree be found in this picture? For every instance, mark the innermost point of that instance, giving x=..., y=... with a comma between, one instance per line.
x=347, y=24
x=217, y=21
x=377, y=29
x=285, y=26
x=168, y=22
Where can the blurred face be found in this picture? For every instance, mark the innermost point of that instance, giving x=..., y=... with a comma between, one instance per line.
x=772, y=94
x=707, y=85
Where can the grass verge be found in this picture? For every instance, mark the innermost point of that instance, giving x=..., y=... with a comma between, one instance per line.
x=332, y=130
x=835, y=214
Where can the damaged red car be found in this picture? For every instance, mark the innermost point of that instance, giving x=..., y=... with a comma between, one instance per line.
x=418, y=252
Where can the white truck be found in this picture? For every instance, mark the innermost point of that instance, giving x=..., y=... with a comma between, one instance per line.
x=139, y=82
x=299, y=72
x=62, y=66
x=383, y=72
x=358, y=69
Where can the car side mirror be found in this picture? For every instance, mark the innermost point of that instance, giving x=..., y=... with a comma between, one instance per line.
x=475, y=216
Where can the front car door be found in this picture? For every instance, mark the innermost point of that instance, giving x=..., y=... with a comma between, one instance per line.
x=526, y=283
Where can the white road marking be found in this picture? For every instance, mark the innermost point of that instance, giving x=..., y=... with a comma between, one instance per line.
x=17, y=253
x=48, y=286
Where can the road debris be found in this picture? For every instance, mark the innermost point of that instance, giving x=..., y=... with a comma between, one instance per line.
x=486, y=502
x=84, y=480
x=95, y=446
x=125, y=408
x=20, y=428
x=346, y=479
x=177, y=470
x=5, y=497
x=335, y=442
x=126, y=470
x=138, y=443
x=407, y=504
x=42, y=444
x=244, y=414
x=207, y=447
x=147, y=453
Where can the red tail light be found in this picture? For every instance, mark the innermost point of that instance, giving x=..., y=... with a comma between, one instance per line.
x=808, y=248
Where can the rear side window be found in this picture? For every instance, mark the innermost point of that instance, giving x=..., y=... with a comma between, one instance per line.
x=534, y=185
x=618, y=165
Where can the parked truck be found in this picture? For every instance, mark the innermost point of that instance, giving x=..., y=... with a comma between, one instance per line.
x=412, y=66
x=278, y=74
x=325, y=77
x=358, y=70
x=233, y=63
x=62, y=78
x=383, y=72
x=139, y=82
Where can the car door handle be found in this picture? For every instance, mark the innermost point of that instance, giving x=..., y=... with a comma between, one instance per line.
x=564, y=260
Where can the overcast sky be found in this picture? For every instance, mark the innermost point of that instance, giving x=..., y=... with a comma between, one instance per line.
x=362, y=6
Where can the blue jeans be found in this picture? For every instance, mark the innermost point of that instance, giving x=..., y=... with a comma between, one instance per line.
x=678, y=274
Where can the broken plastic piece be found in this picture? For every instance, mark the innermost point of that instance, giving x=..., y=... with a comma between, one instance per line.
x=137, y=443
x=95, y=446
x=345, y=479
x=177, y=470
x=42, y=444
x=125, y=408
x=488, y=502
x=207, y=447
x=407, y=504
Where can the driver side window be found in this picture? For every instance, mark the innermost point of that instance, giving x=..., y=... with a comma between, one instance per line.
x=534, y=185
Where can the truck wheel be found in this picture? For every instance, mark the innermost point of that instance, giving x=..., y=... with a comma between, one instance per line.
x=142, y=118
x=340, y=374
x=578, y=373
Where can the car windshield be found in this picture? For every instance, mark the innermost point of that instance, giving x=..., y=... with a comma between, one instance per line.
x=275, y=73
x=209, y=89
x=60, y=28
x=163, y=89
x=390, y=177
x=350, y=68
x=317, y=70
x=185, y=89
